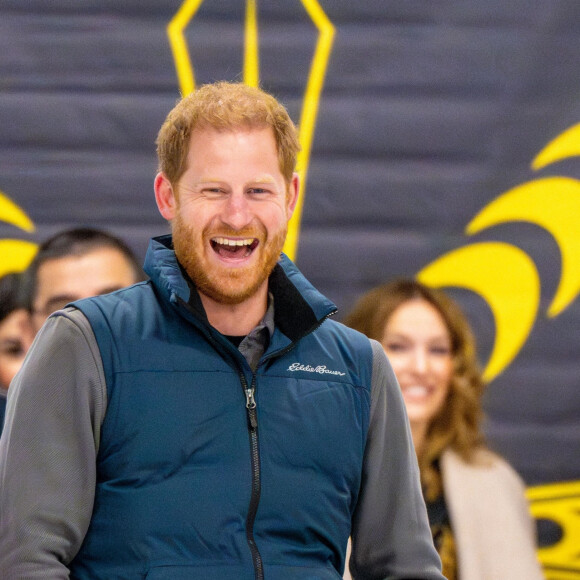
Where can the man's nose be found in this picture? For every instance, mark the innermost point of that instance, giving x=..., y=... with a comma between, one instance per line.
x=236, y=211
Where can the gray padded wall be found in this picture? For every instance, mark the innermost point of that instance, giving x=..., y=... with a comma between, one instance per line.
x=430, y=110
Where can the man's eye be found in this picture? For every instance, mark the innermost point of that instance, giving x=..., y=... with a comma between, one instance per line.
x=258, y=190
x=12, y=349
x=58, y=304
x=16, y=351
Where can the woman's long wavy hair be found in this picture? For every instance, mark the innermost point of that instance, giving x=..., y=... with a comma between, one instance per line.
x=458, y=425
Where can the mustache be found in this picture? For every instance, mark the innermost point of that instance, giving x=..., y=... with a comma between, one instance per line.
x=255, y=231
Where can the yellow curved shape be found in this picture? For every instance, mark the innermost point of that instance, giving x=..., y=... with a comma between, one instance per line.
x=507, y=279
x=565, y=145
x=15, y=255
x=13, y=214
x=175, y=28
x=317, y=73
x=309, y=112
x=552, y=203
x=560, y=503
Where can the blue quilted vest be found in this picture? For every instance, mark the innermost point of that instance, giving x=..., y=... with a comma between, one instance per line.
x=192, y=481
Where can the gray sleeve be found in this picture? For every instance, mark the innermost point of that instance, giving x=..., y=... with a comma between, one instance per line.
x=48, y=448
x=391, y=538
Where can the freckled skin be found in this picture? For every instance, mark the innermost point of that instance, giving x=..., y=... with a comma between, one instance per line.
x=232, y=188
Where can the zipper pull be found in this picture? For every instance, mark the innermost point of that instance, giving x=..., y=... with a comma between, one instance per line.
x=251, y=406
x=250, y=401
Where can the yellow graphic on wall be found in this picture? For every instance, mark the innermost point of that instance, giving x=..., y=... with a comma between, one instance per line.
x=493, y=270
x=552, y=203
x=559, y=503
x=15, y=255
x=565, y=145
x=314, y=85
x=506, y=278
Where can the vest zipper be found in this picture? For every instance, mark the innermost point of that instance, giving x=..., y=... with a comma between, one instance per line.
x=255, y=460
x=256, y=483
x=253, y=433
x=255, y=455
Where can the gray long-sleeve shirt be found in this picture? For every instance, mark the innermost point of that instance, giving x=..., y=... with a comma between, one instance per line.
x=56, y=407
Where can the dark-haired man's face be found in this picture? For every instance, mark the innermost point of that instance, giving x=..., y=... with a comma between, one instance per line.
x=63, y=280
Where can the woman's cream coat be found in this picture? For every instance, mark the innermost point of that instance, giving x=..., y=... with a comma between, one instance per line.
x=494, y=533
x=493, y=530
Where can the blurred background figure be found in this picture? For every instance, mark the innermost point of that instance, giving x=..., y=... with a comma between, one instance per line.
x=78, y=263
x=478, y=513
x=16, y=333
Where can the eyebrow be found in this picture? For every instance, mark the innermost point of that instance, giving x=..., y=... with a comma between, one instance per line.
x=110, y=289
x=10, y=341
x=401, y=336
x=60, y=298
x=264, y=178
x=392, y=334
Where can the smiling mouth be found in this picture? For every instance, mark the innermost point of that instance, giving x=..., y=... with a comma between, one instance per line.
x=234, y=248
x=417, y=391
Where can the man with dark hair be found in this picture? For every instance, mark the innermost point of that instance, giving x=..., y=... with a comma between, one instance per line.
x=212, y=422
x=78, y=263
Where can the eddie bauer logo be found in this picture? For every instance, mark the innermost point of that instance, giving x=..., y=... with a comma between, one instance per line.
x=320, y=369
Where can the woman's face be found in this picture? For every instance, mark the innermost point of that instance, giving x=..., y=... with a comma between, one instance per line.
x=418, y=344
x=15, y=339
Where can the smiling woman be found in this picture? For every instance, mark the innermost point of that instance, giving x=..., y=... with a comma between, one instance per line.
x=15, y=334
x=475, y=501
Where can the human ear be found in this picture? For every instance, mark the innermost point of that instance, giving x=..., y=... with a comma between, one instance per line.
x=164, y=196
x=292, y=196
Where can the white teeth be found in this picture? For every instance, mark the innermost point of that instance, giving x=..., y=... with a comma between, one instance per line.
x=228, y=242
x=416, y=391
